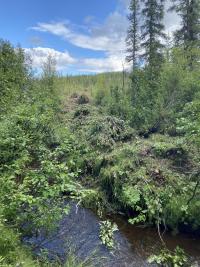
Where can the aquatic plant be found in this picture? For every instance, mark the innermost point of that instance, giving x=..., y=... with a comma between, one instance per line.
x=107, y=230
x=166, y=258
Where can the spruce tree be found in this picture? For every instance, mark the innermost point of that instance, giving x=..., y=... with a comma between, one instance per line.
x=153, y=31
x=132, y=39
x=189, y=33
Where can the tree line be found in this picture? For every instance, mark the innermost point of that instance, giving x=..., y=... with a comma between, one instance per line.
x=146, y=38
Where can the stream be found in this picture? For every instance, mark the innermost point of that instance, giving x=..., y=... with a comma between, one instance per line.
x=145, y=241
x=78, y=233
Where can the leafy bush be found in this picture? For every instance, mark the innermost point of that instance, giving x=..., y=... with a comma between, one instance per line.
x=189, y=121
x=170, y=259
x=14, y=73
x=36, y=156
x=82, y=112
x=98, y=129
x=107, y=229
x=106, y=131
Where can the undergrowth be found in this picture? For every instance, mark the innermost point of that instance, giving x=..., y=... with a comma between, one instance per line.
x=99, y=146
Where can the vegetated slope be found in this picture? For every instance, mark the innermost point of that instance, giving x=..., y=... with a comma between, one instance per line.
x=146, y=178
x=89, y=152
x=37, y=158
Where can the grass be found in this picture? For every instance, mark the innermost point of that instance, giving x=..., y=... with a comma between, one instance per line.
x=90, y=84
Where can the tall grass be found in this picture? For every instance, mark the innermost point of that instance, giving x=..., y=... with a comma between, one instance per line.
x=91, y=84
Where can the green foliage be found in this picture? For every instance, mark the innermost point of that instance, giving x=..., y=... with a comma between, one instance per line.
x=31, y=166
x=153, y=31
x=100, y=97
x=176, y=151
x=90, y=198
x=92, y=154
x=154, y=100
x=118, y=103
x=107, y=229
x=143, y=177
x=14, y=75
x=179, y=84
x=189, y=121
x=133, y=37
x=190, y=15
x=170, y=259
x=105, y=132
x=92, y=85
x=130, y=195
x=11, y=251
x=147, y=177
x=37, y=156
x=101, y=131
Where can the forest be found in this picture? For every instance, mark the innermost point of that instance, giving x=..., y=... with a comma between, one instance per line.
x=119, y=143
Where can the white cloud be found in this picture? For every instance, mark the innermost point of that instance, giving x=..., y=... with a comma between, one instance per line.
x=64, y=61
x=108, y=37
x=40, y=54
x=108, y=64
x=59, y=28
x=171, y=20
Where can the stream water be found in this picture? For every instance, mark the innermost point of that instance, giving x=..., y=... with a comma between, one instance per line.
x=146, y=241
x=78, y=233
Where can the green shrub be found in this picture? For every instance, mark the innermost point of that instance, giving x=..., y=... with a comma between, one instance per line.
x=167, y=258
x=107, y=230
x=106, y=131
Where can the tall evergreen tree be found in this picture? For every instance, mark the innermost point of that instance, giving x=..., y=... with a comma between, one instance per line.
x=189, y=33
x=153, y=31
x=132, y=39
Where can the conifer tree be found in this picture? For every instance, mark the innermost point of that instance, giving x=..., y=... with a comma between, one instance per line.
x=189, y=33
x=132, y=39
x=153, y=31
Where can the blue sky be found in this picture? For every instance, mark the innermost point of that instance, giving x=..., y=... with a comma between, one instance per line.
x=84, y=36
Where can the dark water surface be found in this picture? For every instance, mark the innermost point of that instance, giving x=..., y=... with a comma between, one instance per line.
x=146, y=242
x=78, y=233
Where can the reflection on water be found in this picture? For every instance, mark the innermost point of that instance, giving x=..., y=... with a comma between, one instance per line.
x=78, y=232
x=145, y=241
